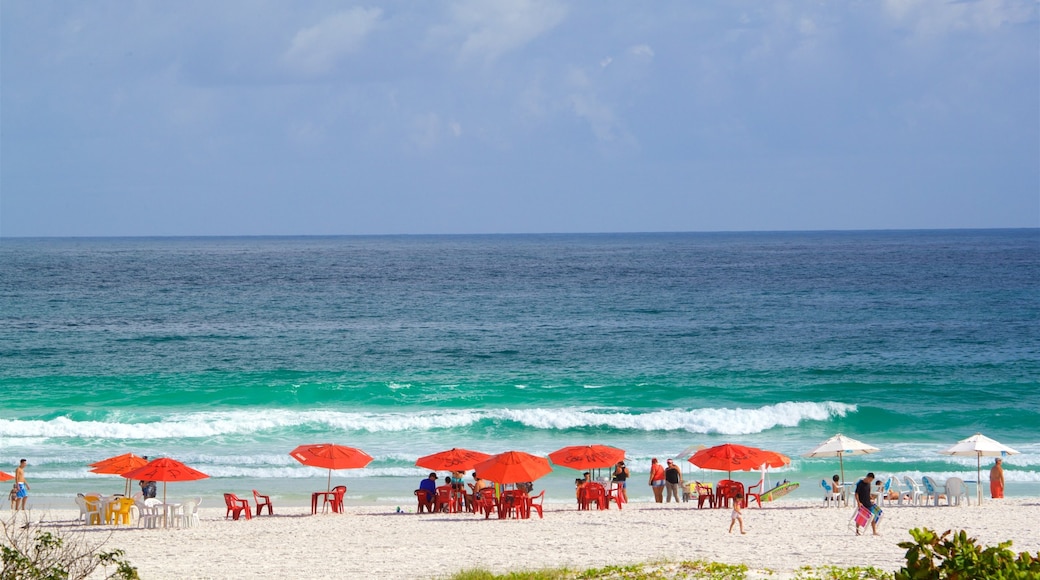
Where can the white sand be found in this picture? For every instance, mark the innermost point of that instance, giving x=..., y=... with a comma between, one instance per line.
x=374, y=540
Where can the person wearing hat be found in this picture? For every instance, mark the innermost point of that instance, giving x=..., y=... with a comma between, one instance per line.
x=996, y=480
x=673, y=481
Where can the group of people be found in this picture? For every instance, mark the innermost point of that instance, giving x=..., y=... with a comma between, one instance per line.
x=456, y=483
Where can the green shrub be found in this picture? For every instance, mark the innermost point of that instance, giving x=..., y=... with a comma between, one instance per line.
x=958, y=557
x=31, y=553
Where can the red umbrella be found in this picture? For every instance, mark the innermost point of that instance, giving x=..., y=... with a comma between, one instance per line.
x=587, y=456
x=730, y=456
x=513, y=467
x=165, y=469
x=330, y=456
x=452, y=460
x=119, y=465
x=5, y=476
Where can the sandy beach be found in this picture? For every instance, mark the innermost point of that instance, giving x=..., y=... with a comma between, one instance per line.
x=376, y=540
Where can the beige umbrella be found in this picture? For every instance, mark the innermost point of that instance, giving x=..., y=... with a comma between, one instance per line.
x=978, y=445
x=839, y=446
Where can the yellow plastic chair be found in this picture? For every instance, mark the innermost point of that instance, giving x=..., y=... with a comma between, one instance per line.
x=120, y=510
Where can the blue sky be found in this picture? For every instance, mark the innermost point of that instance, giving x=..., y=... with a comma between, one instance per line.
x=480, y=116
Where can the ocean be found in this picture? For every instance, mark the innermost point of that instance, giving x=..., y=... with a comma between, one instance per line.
x=226, y=353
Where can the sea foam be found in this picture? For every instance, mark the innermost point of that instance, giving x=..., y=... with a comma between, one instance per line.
x=725, y=421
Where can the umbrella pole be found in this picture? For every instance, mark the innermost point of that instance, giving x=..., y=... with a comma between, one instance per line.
x=328, y=484
x=841, y=462
x=166, y=510
x=978, y=478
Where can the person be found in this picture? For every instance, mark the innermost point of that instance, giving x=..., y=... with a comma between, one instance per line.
x=996, y=480
x=23, y=486
x=621, y=476
x=657, y=480
x=737, y=515
x=447, y=489
x=674, y=480
x=837, y=487
x=429, y=485
x=863, y=499
x=14, y=497
x=478, y=484
x=148, y=489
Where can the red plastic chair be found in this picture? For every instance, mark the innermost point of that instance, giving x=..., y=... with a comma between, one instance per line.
x=704, y=494
x=336, y=501
x=262, y=501
x=425, y=500
x=615, y=494
x=595, y=493
x=236, y=507
x=485, y=501
x=753, y=495
x=443, y=502
x=536, y=503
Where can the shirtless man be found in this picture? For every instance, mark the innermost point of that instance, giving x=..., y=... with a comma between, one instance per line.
x=23, y=487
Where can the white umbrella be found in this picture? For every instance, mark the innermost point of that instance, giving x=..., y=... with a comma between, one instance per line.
x=689, y=451
x=839, y=446
x=979, y=445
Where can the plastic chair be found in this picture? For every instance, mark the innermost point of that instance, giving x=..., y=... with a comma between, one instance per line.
x=934, y=490
x=485, y=500
x=121, y=510
x=831, y=494
x=148, y=515
x=336, y=501
x=913, y=490
x=89, y=510
x=955, y=490
x=754, y=495
x=261, y=501
x=236, y=507
x=425, y=501
x=615, y=494
x=443, y=500
x=704, y=493
x=189, y=517
x=536, y=502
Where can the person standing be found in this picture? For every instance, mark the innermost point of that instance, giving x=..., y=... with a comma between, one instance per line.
x=621, y=476
x=673, y=480
x=23, y=486
x=657, y=480
x=863, y=499
x=996, y=479
x=737, y=515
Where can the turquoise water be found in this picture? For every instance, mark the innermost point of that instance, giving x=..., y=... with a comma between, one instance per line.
x=226, y=353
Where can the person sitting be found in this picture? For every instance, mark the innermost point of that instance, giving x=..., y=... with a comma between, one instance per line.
x=429, y=487
x=837, y=487
x=148, y=489
x=445, y=491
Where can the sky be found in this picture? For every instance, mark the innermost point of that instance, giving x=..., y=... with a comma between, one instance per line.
x=256, y=117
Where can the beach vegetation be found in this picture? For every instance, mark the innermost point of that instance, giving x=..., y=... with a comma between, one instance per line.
x=839, y=573
x=955, y=555
x=30, y=552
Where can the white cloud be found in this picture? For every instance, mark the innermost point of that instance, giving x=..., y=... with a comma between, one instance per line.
x=939, y=17
x=493, y=28
x=318, y=49
x=642, y=50
x=605, y=62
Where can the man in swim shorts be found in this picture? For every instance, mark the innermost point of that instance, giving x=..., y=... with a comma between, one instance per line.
x=23, y=486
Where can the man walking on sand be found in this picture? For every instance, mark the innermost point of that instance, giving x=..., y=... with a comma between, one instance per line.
x=23, y=487
x=864, y=500
x=996, y=480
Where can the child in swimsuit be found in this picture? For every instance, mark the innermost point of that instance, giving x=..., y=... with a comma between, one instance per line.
x=737, y=514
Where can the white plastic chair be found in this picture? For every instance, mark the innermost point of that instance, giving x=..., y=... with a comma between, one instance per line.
x=189, y=513
x=933, y=490
x=149, y=515
x=830, y=494
x=886, y=487
x=913, y=490
x=89, y=512
x=955, y=490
